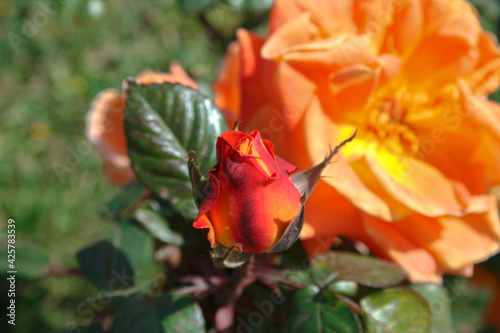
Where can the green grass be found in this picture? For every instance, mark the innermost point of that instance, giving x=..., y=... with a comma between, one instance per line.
x=48, y=81
x=47, y=85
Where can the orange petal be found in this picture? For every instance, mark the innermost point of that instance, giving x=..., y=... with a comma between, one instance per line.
x=204, y=223
x=456, y=242
x=281, y=12
x=177, y=75
x=317, y=245
x=372, y=18
x=294, y=93
x=328, y=213
x=485, y=113
x=484, y=117
x=352, y=86
x=486, y=78
x=256, y=75
x=390, y=65
x=321, y=134
x=451, y=27
x=407, y=27
x=414, y=183
x=452, y=18
x=336, y=51
x=295, y=32
x=106, y=133
x=227, y=86
x=332, y=16
x=417, y=261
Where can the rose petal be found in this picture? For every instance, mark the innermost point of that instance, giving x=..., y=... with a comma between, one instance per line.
x=106, y=133
x=321, y=133
x=413, y=183
x=453, y=28
x=456, y=242
x=256, y=75
x=407, y=27
x=352, y=86
x=294, y=92
x=372, y=18
x=281, y=12
x=227, y=86
x=320, y=220
x=203, y=222
x=295, y=32
x=336, y=51
x=177, y=75
x=417, y=261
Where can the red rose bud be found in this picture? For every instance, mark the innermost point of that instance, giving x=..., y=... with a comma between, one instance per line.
x=251, y=199
x=252, y=204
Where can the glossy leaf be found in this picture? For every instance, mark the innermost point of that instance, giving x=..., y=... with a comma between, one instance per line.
x=138, y=246
x=348, y=288
x=365, y=270
x=157, y=226
x=250, y=5
x=164, y=122
x=317, y=311
x=126, y=261
x=88, y=329
x=470, y=304
x=166, y=313
x=122, y=204
x=397, y=311
x=439, y=301
x=105, y=266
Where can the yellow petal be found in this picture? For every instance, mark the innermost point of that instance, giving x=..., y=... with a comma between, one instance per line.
x=321, y=134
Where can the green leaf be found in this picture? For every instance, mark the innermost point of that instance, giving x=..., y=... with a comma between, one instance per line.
x=157, y=226
x=439, y=301
x=167, y=313
x=105, y=266
x=469, y=304
x=316, y=311
x=163, y=123
x=121, y=204
x=138, y=246
x=126, y=260
x=250, y=5
x=89, y=329
x=348, y=288
x=195, y=6
x=397, y=310
x=365, y=270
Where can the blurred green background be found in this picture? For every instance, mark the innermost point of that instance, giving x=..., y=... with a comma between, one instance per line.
x=55, y=57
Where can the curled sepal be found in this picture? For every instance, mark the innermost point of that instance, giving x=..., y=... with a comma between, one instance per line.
x=229, y=257
x=306, y=180
x=291, y=233
x=198, y=182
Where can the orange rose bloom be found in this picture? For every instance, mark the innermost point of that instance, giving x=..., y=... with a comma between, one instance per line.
x=413, y=78
x=251, y=198
x=105, y=123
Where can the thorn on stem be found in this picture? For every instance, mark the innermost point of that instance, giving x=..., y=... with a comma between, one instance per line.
x=337, y=148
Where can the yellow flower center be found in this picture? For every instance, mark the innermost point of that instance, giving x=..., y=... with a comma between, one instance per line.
x=387, y=113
